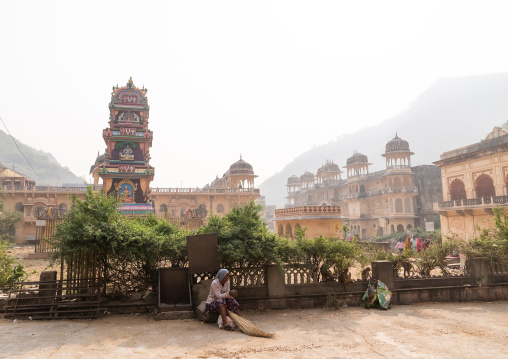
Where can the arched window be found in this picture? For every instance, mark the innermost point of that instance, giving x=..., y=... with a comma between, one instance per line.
x=182, y=211
x=400, y=228
x=406, y=181
x=407, y=205
x=409, y=227
x=62, y=207
x=362, y=188
x=19, y=207
x=289, y=231
x=220, y=208
x=281, y=230
x=484, y=186
x=163, y=208
x=398, y=206
x=457, y=190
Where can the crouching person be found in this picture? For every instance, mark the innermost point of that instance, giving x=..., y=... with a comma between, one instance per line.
x=221, y=299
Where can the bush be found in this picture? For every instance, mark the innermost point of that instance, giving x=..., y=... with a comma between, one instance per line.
x=6, y=263
x=10, y=274
x=127, y=251
x=432, y=257
x=491, y=243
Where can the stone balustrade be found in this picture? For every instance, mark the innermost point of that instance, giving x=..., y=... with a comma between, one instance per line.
x=470, y=203
x=308, y=211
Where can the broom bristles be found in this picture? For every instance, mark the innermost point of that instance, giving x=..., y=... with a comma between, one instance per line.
x=247, y=327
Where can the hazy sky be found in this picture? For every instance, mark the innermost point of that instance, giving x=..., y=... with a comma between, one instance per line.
x=264, y=79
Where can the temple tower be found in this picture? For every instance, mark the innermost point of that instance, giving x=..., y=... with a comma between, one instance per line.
x=124, y=167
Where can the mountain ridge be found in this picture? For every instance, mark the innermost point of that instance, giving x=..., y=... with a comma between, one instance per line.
x=47, y=169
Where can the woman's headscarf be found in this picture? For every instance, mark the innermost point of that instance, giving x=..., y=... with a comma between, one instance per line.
x=221, y=274
x=407, y=243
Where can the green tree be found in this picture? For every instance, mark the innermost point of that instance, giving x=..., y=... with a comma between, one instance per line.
x=244, y=239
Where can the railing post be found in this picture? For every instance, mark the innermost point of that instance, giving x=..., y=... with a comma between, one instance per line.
x=480, y=270
x=275, y=283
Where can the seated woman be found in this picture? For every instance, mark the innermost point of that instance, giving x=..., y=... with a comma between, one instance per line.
x=220, y=299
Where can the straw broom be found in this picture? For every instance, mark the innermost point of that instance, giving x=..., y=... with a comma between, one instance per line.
x=247, y=327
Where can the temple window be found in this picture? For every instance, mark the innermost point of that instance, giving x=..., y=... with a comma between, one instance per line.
x=398, y=205
x=407, y=205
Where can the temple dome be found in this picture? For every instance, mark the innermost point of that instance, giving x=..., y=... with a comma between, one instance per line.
x=329, y=167
x=307, y=176
x=293, y=180
x=397, y=144
x=216, y=183
x=241, y=168
x=357, y=158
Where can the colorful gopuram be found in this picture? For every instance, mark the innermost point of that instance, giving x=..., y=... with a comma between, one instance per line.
x=124, y=168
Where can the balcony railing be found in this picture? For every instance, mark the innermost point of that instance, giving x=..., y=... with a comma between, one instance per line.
x=308, y=211
x=379, y=192
x=47, y=189
x=472, y=203
x=204, y=190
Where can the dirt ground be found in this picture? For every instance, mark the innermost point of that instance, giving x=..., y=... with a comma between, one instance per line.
x=429, y=330
x=33, y=267
x=460, y=330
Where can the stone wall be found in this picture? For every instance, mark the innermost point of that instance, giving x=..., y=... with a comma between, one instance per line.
x=430, y=187
x=283, y=291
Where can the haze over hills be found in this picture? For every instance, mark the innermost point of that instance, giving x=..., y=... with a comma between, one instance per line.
x=49, y=171
x=452, y=113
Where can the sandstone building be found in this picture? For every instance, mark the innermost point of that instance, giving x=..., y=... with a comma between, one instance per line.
x=475, y=180
x=398, y=198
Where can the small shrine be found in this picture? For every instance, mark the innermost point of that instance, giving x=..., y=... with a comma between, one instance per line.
x=124, y=168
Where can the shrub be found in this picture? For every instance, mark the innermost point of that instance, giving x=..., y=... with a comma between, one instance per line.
x=6, y=263
x=10, y=274
x=491, y=243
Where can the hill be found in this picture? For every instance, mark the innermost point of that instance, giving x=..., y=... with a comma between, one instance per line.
x=452, y=113
x=49, y=171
